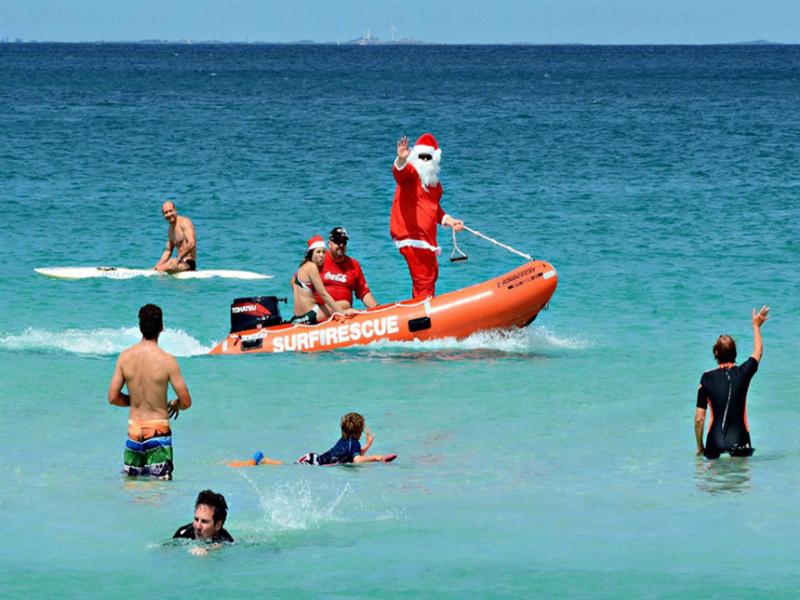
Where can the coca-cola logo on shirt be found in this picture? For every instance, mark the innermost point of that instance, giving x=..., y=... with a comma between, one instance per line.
x=340, y=277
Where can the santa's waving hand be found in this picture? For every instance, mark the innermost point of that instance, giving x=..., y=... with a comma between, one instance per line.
x=416, y=211
x=402, y=151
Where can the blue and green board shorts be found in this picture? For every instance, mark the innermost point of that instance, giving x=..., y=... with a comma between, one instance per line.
x=148, y=450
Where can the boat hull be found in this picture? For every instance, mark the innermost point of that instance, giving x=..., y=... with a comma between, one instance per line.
x=511, y=300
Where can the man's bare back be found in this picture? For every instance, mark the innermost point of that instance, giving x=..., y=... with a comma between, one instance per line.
x=146, y=369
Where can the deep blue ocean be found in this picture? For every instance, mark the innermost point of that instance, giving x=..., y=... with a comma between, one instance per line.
x=663, y=184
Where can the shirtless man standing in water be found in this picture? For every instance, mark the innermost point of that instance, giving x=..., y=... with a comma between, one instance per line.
x=147, y=369
x=181, y=235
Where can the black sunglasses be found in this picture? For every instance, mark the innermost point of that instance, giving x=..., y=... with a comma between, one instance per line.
x=425, y=157
x=339, y=242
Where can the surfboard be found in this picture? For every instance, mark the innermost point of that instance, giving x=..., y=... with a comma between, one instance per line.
x=251, y=462
x=73, y=273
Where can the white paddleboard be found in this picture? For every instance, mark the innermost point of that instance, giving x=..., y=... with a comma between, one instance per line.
x=123, y=273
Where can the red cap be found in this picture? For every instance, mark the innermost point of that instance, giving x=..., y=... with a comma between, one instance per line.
x=427, y=139
x=316, y=242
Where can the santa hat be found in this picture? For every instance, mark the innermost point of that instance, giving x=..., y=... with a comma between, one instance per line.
x=316, y=242
x=426, y=144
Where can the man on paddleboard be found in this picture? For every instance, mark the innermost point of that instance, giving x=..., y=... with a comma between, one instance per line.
x=147, y=370
x=416, y=211
x=180, y=235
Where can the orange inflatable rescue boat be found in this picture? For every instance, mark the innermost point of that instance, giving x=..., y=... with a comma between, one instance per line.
x=511, y=300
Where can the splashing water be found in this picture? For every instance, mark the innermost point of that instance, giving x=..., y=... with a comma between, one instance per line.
x=518, y=341
x=102, y=341
x=293, y=506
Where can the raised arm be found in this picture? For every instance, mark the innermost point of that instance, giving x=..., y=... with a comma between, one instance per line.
x=402, y=152
x=368, y=458
x=370, y=438
x=184, y=399
x=759, y=318
x=115, y=394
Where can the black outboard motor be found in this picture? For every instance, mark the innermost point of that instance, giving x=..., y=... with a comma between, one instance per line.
x=255, y=312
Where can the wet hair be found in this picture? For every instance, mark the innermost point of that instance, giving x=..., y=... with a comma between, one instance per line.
x=725, y=349
x=352, y=426
x=215, y=501
x=151, y=321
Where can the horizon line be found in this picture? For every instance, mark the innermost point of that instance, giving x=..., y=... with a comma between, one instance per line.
x=407, y=42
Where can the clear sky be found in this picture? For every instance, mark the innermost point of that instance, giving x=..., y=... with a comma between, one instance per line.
x=439, y=21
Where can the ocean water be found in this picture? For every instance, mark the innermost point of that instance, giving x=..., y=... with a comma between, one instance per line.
x=556, y=461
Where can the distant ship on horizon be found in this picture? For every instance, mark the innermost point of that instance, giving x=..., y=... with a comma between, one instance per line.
x=369, y=40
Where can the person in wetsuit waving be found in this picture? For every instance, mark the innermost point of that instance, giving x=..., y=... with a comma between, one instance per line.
x=724, y=390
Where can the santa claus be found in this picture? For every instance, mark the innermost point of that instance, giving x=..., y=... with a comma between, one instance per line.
x=416, y=211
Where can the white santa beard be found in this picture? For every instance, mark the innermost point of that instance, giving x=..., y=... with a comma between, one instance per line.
x=428, y=170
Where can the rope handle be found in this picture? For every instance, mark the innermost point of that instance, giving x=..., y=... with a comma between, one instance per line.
x=457, y=254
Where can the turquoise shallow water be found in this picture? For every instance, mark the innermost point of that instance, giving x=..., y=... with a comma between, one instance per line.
x=662, y=184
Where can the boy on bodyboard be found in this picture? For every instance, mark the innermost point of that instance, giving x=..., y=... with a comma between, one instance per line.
x=347, y=450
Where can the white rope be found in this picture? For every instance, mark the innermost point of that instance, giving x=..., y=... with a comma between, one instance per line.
x=496, y=243
x=457, y=254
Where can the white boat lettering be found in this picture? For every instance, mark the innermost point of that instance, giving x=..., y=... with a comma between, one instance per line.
x=380, y=328
x=338, y=334
x=252, y=337
x=332, y=336
x=367, y=330
x=244, y=308
x=302, y=341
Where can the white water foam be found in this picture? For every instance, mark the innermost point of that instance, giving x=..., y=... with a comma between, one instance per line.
x=542, y=337
x=517, y=341
x=100, y=341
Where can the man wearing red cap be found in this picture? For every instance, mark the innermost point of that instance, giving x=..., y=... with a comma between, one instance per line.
x=416, y=211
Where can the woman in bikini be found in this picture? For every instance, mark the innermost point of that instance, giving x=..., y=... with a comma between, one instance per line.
x=306, y=282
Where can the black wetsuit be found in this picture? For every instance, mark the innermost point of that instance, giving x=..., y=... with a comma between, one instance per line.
x=187, y=532
x=726, y=392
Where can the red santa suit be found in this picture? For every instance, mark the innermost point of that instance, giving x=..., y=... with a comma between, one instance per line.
x=415, y=214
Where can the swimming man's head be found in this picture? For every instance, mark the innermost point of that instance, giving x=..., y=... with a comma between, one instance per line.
x=210, y=512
